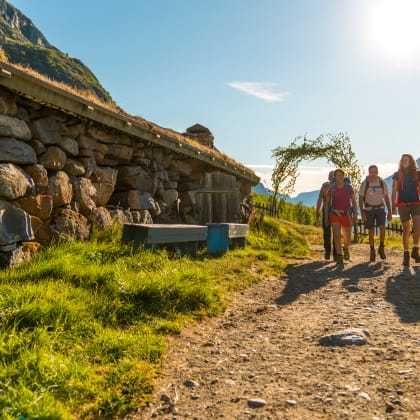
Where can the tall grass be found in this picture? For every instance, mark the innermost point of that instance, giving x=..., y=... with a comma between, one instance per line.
x=83, y=325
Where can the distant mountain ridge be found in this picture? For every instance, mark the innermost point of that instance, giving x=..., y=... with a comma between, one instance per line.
x=310, y=198
x=23, y=43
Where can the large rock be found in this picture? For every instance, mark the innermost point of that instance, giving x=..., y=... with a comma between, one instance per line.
x=89, y=164
x=14, y=182
x=104, y=191
x=133, y=177
x=54, y=158
x=39, y=175
x=84, y=194
x=67, y=224
x=183, y=167
x=15, y=151
x=15, y=225
x=105, y=174
x=13, y=127
x=108, y=138
x=136, y=200
x=46, y=129
x=86, y=142
x=39, y=205
x=69, y=145
x=18, y=255
x=60, y=188
x=101, y=218
x=8, y=104
x=74, y=167
x=120, y=153
x=349, y=337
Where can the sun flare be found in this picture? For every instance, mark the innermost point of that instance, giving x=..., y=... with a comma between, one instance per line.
x=395, y=28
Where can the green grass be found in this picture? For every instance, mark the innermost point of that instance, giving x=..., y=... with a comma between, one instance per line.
x=83, y=325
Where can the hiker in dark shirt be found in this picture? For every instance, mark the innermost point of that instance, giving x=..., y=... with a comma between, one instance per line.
x=406, y=196
x=326, y=228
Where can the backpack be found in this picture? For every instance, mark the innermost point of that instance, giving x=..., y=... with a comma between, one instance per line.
x=400, y=186
x=381, y=184
x=349, y=190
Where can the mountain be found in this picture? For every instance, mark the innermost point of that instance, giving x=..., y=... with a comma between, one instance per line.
x=22, y=43
x=261, y=189
x=309, y=198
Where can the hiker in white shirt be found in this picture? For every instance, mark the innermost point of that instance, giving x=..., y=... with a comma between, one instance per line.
x=373, y=197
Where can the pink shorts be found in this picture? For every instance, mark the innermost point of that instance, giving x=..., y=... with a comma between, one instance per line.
x=342, y=219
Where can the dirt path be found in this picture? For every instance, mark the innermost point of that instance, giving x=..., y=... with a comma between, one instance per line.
x=262, y=358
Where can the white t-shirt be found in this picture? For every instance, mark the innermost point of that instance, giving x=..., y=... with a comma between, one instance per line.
x=374, y=194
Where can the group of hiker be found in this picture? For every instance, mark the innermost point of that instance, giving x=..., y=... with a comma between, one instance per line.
x=339, y=210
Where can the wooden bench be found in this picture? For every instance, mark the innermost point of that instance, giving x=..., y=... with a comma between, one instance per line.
x=184, y=238
x=224, y=236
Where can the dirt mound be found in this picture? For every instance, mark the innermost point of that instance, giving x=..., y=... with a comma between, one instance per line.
x=264, y=357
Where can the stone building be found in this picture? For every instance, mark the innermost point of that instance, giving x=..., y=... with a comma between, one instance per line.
x=67, y=164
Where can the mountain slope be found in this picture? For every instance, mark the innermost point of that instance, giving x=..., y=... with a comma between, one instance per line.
x=24, y=44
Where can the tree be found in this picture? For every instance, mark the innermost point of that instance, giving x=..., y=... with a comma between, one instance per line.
x=335, y=148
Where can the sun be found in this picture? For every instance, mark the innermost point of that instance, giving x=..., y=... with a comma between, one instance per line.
x=395, y=28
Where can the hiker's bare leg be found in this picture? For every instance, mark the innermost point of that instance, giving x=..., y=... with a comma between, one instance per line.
x=336, y=228
x=346, y=236
x=381, y=234
x=416, y=230
x=406, y=234
x=372, y=236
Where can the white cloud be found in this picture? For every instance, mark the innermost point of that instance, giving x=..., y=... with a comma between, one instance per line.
x=264, y=91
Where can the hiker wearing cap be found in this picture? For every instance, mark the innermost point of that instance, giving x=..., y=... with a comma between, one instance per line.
x=406, y=196
x=373, y=196
x=342, y=206
x=326, y=228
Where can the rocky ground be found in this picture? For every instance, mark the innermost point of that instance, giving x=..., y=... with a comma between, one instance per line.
x=262, y=359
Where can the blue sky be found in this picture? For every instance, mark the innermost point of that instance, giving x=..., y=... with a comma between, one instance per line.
x=257, y=73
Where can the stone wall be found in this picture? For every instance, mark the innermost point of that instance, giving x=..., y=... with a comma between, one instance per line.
x=61, y=174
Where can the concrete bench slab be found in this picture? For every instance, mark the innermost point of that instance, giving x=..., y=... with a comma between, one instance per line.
x=184, y=237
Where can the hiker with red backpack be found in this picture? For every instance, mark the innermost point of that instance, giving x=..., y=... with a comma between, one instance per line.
x=373, y=196
x=406, y=196
x=341, y=202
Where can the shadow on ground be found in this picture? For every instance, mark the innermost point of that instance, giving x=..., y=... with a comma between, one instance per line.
x=403, y=291
x=305, y=278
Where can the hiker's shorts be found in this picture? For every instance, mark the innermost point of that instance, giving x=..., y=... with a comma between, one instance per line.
x=375, y=217
x=343, y=219
x=406, y=212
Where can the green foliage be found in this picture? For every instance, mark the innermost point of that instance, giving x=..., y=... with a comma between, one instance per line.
x=292, y=212
x=82, y=326
x=55, y=65
x=335, y=148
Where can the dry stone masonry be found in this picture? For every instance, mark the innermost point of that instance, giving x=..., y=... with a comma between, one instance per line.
x=62, y=173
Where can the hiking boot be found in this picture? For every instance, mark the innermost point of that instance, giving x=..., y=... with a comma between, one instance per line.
x=327, y=255
x=346, y=254
x=340, y=260
x=381, y=252
x=415, y=254
x=406, y=260
x=372, y=257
